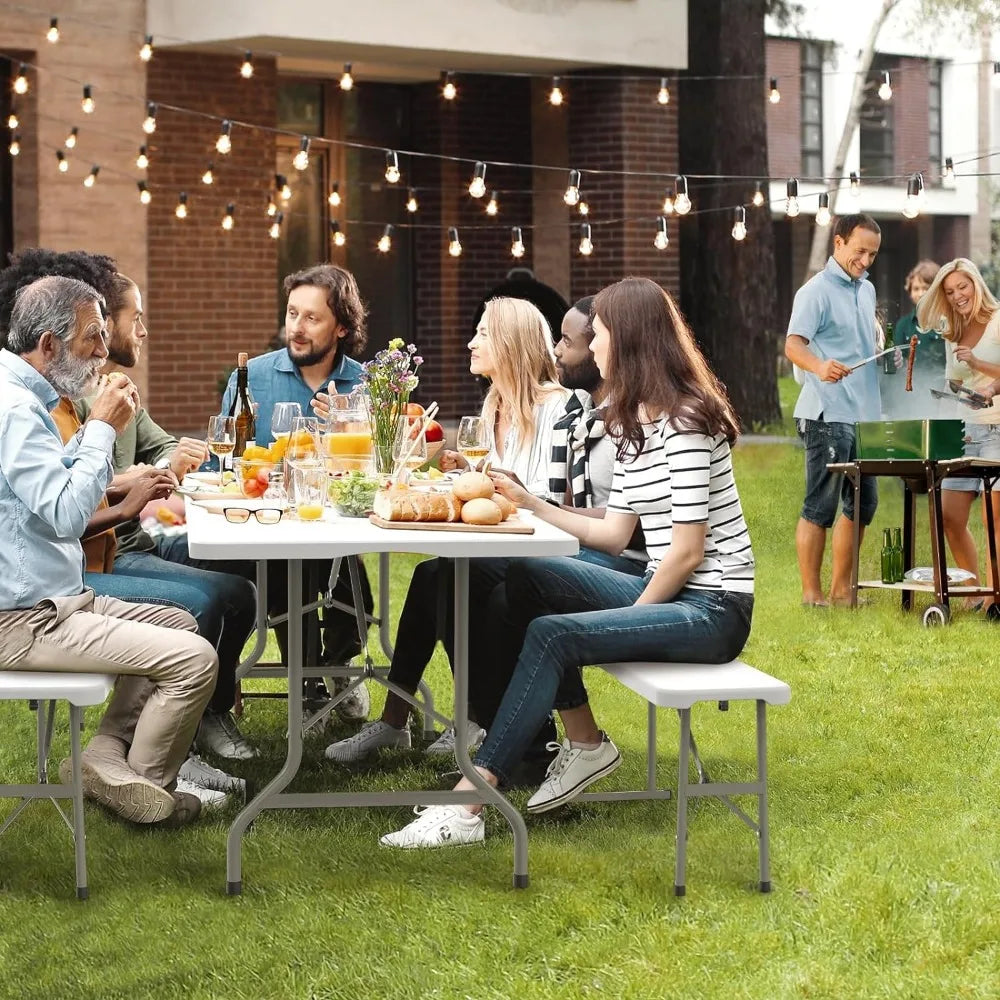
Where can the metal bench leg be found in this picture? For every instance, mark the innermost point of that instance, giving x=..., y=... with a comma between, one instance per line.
x=650, y=747
x=682, y=797
x=79, y=834
x=764, y=839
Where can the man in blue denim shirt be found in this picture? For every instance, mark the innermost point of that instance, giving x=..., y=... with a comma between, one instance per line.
x=832, y=328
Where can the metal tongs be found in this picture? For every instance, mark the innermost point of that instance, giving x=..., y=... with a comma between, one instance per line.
x=881, y=354
x=975, y=400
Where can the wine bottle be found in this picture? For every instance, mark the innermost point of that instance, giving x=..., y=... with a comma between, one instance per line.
x=897, y=551
x=242, y=407
x=886, y=558
x=889, y=360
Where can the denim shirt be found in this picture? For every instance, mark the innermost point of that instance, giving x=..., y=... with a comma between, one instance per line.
x=275, y=378
x=48, y=492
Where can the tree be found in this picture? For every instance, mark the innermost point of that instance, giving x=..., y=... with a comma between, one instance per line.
x=728, y=287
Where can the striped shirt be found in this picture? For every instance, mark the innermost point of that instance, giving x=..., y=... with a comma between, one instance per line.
x=687, y=478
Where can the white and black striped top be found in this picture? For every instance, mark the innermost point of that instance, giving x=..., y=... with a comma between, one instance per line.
x=686, y=477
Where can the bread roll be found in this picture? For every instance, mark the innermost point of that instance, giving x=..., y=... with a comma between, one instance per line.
x=473, y=486
x=481, y=511
x=506, y=507
x=415, y=505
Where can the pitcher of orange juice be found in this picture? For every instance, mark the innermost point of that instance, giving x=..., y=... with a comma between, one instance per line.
x=347, y=437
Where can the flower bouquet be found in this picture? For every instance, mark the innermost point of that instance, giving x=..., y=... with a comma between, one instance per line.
x=388, y=379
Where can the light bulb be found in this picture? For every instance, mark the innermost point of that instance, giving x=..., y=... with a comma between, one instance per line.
x=477, y=186
x=149, y=124
x=142, y=160
x=949, y=168
x=62, y=161
x=774, y=95
x=272, y=209
x=207, y=177
x=682, y=203
x=792, y=203
x=346, y=80
x=448, y=90
x=53, y=33
x=911, y=207
x=87, y=101
x=144, y=196
x=823, y=216
x=885, y=88
x=224, y=143
x=334, y=199
x=492, y=206
x=391, y=167
x=668, y=203
x=758, y=195
x=385, y=240
x=13, y=121
x=15, y=145
x=740, y=224
x=454, y=246
x=555, y=94
x=339, y=237
x=855, y=184
x=663, y=94
x=246, y=67
x=146, y=52
x=227, y=220
x=516, y=242
x=411, y=200
x=661, y=240
x=586, y=244
x=281, y=183
x=91, y=178
x=301, y=159
x=572, y=195
x=275, y=228
x=181, y=210
x=583, y=207
x=71, y=138
x=21, y=80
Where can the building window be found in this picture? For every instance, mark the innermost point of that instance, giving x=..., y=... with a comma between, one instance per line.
x=877, y=134
x=934, y=118
x=812, y=110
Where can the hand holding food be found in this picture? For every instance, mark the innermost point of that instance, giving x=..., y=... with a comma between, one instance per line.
x=512, y=491
x=116, y=402
x=156, y=484
x=187, y=456
x=449, y=461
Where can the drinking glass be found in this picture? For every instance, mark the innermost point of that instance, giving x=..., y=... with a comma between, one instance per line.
x=309, y=491
x=303, y=442
x=472, y=440
x=221, y=439
x=347, y=439
x=409, y=447
x=282, y=420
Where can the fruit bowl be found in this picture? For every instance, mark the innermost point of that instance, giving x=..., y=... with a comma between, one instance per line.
x=252, y=475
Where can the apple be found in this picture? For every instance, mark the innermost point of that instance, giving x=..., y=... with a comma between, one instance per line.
x=414, y=410
x=434, y=432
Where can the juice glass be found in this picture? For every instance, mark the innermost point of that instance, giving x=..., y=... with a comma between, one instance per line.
x=309, y=489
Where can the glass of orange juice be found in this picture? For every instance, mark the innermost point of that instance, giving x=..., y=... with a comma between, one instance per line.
x=347, y=437
x=309, y=490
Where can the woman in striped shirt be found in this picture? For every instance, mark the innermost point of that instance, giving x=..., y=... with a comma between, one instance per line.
x=673, y=427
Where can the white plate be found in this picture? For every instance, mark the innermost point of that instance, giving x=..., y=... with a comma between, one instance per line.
x=201, y=479
x=925, y=574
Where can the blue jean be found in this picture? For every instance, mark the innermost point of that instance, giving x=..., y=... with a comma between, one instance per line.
x=564, y=614
x=825, y=442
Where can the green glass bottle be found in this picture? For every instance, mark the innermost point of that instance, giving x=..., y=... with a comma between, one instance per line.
x=889, y=360
x=887, y=558
x=897, y=551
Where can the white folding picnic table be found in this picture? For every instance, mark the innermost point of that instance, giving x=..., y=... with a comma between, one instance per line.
x=211, y=536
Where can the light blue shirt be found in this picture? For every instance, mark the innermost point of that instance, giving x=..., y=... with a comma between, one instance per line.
x=48, y=492
x=836, y=314
x=274, y=378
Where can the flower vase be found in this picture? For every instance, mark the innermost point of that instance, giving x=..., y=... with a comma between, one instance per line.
x=385, y=421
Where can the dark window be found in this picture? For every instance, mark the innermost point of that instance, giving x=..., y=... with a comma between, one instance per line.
x=812, y=110
x=934, y=118
x=878, y=156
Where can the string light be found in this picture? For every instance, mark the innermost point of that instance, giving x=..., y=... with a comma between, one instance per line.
x=411, y=201
x=181, y=211
x=334, y=199
x=346, y=80
x=227, y=220
x=71, y=138
x=391, y=166
x=142, y=160
x=682, y=203
x=740, y=224
x=272, y=210
x=885, y=88
x=555, y=94
x=87, y=101
x=149, y=122
x=454, y=246
x=448, y=89
x=774, y=95
x=996, y=68
x=492, y=206
x=91, y=179
x=668, y=203
x=586, y=244
x=661, y=240
x=920, y=186
x=62, y=161
x=144, y=196
x=146, y=51
x=477, y=186
x=792, y=204
x=301, y=159
x=13, y=121
x=949, y=168
x=823, y=216
x=15, y=145
x=246, y=67
x=384, y=244
x=572, y=195
x=208, y=177
x=584, y=206
x=275, y=229
x=663, y=94
x=855, y=184
x=516, y=242
x=21, y=80
x=911, y=207
x=758, y=195
x=339, y=236
x=281, y=186
x=224, y=143
x=53, y=33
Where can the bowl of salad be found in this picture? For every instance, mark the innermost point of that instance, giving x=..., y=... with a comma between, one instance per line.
x=353, y=493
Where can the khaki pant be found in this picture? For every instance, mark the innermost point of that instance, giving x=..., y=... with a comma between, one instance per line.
x=167, y=672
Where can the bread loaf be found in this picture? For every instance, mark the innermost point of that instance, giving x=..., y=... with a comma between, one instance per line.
x=473, y=486
x=481, y=511
x=506, y=507
x=415, y=505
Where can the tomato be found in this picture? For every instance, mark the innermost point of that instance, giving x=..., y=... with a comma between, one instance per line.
x=435, y=432
x=414, y=410
x=263, y=477
x=253, y=487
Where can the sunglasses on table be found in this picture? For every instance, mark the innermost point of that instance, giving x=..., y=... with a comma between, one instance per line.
x=240, y=515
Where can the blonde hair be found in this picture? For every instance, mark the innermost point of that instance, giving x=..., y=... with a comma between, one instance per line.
x=524, y=363
x=934, y=307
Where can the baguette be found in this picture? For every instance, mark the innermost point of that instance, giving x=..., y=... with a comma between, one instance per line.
x=415, y=505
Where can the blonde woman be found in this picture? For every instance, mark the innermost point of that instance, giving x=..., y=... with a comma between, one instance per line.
x=963, y=309
x=512, y=347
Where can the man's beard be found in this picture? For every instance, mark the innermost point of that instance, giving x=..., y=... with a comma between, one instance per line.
x=313, y=357
x=586, y=376
x=123, y=354
x=71, y=377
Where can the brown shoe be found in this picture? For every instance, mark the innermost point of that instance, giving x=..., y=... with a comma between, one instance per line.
x=187, y=808
x=118, y=788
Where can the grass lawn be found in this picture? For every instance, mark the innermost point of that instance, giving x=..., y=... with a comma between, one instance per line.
x=884, y=771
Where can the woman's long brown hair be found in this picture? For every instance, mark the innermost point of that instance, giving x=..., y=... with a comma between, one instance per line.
x=654, y=364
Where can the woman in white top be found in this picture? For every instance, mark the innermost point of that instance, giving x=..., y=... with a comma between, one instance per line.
x=960, y=305
x=673, y=427
x=513, y=348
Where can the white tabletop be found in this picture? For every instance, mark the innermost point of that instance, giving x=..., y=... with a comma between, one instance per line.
x=211, y=536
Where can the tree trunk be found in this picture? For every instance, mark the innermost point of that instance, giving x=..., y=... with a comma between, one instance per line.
x=820, y=248
x=728, y=288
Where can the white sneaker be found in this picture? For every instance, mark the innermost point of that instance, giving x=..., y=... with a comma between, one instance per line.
x=445, y=743
x=438, y=826
x=198, y=772
x=367, y=740
x=220, y=735
x=572, y=771
x=356, y=706
x=209, y=798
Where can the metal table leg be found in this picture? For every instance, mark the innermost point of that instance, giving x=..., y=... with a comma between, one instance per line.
x=909, y=508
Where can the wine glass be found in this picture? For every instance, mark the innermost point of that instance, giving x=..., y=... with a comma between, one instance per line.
x=282, y=418
x=472, y=440
x=221, y=440
x=303, y=442
x=409, y=447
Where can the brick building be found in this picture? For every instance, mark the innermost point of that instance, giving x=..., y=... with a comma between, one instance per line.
x=210, y=292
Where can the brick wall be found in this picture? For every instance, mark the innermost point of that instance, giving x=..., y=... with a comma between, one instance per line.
x=910, y=110
x=784, y=119
x=211, y=293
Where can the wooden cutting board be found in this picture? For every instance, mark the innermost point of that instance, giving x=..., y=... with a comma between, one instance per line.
x=512, y=526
